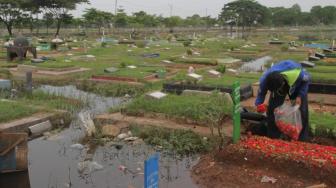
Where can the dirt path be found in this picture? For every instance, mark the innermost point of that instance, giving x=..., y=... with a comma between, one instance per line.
x=160, y=122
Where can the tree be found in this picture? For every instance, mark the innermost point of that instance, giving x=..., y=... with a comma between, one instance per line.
x=244, y=13
x=48, y=20
x=173, y=21
x=121, y=19
x=143, y=19
x=10, y=13
x=59, y=9
x=98, y=18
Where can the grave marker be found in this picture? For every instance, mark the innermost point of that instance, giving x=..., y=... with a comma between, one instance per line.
x=152, y=172
x=236, y=111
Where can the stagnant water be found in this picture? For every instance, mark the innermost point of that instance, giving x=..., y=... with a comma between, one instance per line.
x=255, y=65
x=53, y=163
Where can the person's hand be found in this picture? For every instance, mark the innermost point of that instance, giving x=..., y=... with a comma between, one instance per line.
x=296, y=101
x=261, y=108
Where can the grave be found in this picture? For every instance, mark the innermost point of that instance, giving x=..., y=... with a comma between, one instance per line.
x=156, y=95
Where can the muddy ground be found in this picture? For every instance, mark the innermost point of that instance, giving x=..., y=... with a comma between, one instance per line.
x=225, y=171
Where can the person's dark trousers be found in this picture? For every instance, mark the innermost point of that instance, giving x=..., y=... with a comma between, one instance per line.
x=305, y=118
x=276, y=101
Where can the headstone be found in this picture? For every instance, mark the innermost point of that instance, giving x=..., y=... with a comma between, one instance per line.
x=195, y=76
x=319, y=55
x=313, y=58
x=166, y=61
x=131, y=67
x=111, y=70
x=307, y=64
x=214, y=73
x=156, y=95
x=37, y=60
x=326, y=50
x=152, y=172
x=232, y=71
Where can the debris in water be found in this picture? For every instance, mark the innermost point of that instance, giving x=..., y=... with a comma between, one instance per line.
x=77, y=146
x=87, y=123
x=266, y=179
x=122, y=136
x=131, y=139
x=91, y=166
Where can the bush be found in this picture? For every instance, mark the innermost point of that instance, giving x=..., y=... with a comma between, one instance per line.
x=187, y=43
x=141, y=44
x=176, y=141
x=221, y=68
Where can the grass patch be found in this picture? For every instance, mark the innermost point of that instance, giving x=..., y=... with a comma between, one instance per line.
x=180, y=142
x=198, y=108
x=323, y=124
x=10, y=110
x=51, y=102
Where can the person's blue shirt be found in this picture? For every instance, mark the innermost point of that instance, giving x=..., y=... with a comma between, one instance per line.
x=300, y=87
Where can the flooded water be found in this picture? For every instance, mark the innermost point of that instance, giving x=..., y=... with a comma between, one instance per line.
x=54, y=163
x=255, y=65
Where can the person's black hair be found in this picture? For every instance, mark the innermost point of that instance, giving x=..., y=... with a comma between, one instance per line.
x=275, y=81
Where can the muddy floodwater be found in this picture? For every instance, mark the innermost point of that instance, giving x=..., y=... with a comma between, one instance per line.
x=55, y=162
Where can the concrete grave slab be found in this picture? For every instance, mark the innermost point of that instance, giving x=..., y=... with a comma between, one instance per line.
x=156, y=95
x=195, y=76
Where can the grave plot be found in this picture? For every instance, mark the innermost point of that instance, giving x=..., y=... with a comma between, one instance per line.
x=52, y=69
x=38, y=108
x=212, y=79
x=134, y=74
x=263, y=162
x=202, y=112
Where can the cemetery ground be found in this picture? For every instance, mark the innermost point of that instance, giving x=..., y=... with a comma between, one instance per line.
x=113, y=82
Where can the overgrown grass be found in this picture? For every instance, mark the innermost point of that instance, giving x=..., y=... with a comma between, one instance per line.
x=10, y=110
x=323, y=124
x=111, y=90
x=194, y=107
x=49, y=101
x=180, y=142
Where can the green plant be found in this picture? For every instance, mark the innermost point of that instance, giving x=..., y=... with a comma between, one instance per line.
x=187, y=43
x=221, y=68
x=189, y=52
x=122, y=65
x=180, y=142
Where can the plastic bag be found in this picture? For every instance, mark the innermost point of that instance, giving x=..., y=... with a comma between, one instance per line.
x=288, y=120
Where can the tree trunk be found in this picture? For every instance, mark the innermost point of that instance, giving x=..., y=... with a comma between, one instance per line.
x=59, y=22
x=9, y=29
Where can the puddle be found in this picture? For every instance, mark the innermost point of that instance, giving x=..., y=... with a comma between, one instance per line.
x=255, y=65
x=53, y=163
x=316, y=45
x=96, y=104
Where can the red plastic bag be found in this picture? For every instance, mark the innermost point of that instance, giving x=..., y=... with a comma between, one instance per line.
x=288, y=120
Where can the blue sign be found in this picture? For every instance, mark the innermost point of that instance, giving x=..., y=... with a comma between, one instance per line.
x=152, y=172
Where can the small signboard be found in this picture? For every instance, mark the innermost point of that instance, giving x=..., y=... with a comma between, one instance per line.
x=236, y=111
x=152, y=172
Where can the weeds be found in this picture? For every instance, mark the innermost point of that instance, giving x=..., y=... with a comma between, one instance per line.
x=180, y=142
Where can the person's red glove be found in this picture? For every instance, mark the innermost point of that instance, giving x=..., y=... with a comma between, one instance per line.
x=261, y=108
